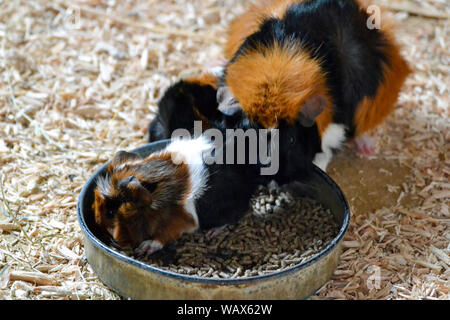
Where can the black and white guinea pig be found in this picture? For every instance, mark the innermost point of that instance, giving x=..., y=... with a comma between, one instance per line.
x=145, y=203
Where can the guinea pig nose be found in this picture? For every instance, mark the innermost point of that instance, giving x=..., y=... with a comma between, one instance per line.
x=128, y=182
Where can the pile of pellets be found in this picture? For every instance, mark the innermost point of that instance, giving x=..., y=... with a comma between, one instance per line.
x=280, y=232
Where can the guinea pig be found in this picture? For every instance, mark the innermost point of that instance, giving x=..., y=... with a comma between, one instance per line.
x=184, y=102
x=145, y=203
x=315, y=70
x=194, y=99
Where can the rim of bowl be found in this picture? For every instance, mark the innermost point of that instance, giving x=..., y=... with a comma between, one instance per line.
x=235, y=281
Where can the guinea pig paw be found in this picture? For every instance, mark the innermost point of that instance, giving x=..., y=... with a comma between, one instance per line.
x=147, y=247
x=214, y=232
x=365, y=145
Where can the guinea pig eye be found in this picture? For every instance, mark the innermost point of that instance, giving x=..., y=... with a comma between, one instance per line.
x=149, y=186
x=110, y=214
x=292, y=140
x=111, y=208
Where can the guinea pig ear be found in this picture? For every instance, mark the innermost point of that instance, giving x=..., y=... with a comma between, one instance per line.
x=228, y=105
x=310, y=109
x=134, y=189
x=123, y=156
x=156, y=130
x=99, y=206
x=129, y=182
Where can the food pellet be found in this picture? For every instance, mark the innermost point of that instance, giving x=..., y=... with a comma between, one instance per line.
x=280, y=232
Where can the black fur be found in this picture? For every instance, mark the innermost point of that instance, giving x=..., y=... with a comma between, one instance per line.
x=351, y=57
x=332, y=31
x=335, y=32
x=230, y=186
x=226, y=199
x=297, y=144
x=176, y=109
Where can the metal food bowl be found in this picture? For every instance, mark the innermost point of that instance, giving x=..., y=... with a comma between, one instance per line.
x=136, y=280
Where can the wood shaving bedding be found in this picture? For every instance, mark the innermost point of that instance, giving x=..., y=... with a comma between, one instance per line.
x=67, y=104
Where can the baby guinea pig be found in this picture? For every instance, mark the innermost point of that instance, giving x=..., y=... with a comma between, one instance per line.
x=145, y=203
x=312, y=64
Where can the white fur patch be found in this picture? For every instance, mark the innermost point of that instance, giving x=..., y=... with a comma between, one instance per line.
x=104, y=185
x=322, y=160
x=332, y=138
x=191, y=152
x=189, y=206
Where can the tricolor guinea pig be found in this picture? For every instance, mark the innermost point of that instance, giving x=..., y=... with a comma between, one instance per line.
x=145, y=203
x=315, y=70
